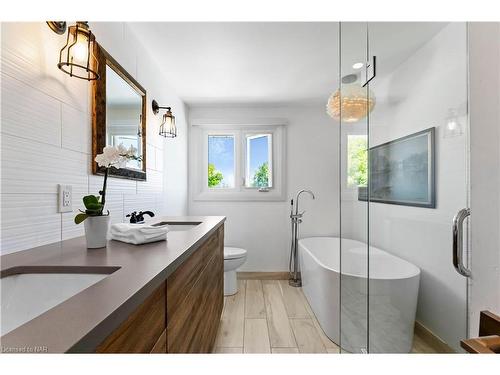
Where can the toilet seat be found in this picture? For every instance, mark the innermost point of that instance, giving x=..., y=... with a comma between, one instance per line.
x=234, y=253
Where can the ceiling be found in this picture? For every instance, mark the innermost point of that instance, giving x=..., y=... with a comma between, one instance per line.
x=271, y=63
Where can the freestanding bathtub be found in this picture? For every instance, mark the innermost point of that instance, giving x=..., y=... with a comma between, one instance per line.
x=343, y=301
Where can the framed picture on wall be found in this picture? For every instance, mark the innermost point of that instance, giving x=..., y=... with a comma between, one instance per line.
x=402, y=171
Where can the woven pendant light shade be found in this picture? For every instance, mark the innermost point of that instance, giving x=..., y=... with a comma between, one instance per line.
x=351, y=102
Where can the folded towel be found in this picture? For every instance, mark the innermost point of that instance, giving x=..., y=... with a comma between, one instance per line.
x=138, y=233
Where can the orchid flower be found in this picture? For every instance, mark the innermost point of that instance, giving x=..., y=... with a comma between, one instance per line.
x=111, y=156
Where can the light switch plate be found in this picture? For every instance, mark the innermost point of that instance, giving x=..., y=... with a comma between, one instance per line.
x=65, y=198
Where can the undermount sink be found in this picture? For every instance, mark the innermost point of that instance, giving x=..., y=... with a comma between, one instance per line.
x=28, y=295
x=178, y=225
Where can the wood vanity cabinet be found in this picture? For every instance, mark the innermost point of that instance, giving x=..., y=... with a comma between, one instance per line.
x=183, y=314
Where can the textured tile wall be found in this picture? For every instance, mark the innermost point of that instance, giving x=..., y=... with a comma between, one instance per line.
x=46, y=139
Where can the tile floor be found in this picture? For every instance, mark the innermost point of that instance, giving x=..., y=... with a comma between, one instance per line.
x=269, y=316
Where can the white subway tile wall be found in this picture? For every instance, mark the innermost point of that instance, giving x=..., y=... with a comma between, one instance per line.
x=46, y=136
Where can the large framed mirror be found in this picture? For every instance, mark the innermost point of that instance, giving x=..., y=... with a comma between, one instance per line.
x=118, y=115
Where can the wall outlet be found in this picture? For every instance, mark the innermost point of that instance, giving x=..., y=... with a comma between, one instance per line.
x=65, y=198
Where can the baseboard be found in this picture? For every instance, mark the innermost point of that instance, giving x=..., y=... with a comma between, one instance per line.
x=432, y=339
x=262, y=275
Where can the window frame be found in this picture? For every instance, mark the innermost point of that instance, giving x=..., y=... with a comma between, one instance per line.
x=199, y=189
x=270, y=157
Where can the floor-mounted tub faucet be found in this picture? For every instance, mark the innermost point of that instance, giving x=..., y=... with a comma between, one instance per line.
x=296, y=218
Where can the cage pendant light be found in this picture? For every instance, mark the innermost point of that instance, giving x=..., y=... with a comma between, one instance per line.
x=77, y=57
x=167, y=127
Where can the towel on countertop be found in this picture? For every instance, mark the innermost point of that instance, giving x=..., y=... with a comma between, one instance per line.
x=138, y=233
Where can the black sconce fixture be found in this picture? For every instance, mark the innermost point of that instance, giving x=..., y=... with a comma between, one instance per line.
x=167, y=127
x=77, y=57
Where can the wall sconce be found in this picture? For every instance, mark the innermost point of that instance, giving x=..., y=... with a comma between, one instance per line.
x=167, y=127
x=453, y=127
x=77, y=57
x=59, y=27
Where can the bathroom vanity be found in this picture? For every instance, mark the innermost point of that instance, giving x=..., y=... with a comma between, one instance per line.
x=163, y=297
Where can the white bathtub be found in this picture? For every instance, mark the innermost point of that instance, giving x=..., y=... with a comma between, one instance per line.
x=393, y=291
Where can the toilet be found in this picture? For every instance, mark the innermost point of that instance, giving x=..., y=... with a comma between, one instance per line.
x=234, y=257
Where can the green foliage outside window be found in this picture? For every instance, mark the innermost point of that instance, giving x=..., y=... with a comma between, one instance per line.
x=357, y=160
x=214, y=176
x=261, y=176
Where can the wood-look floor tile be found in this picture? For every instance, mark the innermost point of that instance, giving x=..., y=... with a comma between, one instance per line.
x=284, y=350
x=421, y=346
x=306, y=302
x=221, y=350
x=308, y=340
x=254, y=300
x=294, y=301
x=233, y=319
x=333, y=350
x=329, y=344
x=280, y=331
x=256, y=338
x=283, y=333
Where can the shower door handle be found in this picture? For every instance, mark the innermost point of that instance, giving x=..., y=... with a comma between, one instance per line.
x=458, y=235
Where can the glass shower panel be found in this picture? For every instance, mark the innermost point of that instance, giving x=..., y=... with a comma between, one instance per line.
x=351, y=106
x=418, y=178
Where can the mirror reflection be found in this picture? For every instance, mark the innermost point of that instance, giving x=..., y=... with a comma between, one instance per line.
x=123, y=115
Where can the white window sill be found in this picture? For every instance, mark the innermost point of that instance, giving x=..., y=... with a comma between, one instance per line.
x=242, y=196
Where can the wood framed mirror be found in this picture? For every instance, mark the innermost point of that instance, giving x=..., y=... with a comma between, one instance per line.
x=118, y=115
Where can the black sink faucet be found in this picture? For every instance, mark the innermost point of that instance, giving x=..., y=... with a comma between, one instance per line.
x=138, y=218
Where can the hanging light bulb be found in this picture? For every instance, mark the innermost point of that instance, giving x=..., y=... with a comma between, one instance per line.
x=77, y=57
x=351, y=101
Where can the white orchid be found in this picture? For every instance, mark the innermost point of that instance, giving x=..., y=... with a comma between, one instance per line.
x=116, y=156
x=111, y=157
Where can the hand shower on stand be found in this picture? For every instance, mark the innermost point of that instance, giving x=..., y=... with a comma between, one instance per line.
x=296, y=219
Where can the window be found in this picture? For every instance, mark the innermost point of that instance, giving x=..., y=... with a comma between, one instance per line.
x=237, y=162
x=357, y=160
x=220, y=161
x=259, y=161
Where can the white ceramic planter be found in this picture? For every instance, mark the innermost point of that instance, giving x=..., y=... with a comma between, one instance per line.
x=96, y=231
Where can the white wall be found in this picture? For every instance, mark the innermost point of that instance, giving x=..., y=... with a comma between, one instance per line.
x=484, y=60
x=46, y=137
x=415, y=96
x=263, y=228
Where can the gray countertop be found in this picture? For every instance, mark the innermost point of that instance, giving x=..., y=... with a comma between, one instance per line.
x=83, y=321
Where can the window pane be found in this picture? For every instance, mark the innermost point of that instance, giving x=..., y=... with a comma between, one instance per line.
x=259, y=161
x=220, y=161
x=357, y=160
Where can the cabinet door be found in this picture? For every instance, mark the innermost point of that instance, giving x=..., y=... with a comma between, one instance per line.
x=142, y=329
x=193, y=325
x=161, y=344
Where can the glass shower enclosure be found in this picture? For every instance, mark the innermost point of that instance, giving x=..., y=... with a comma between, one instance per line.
x=402, y=105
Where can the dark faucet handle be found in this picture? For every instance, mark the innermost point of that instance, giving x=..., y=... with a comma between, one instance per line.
x=133, y=217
